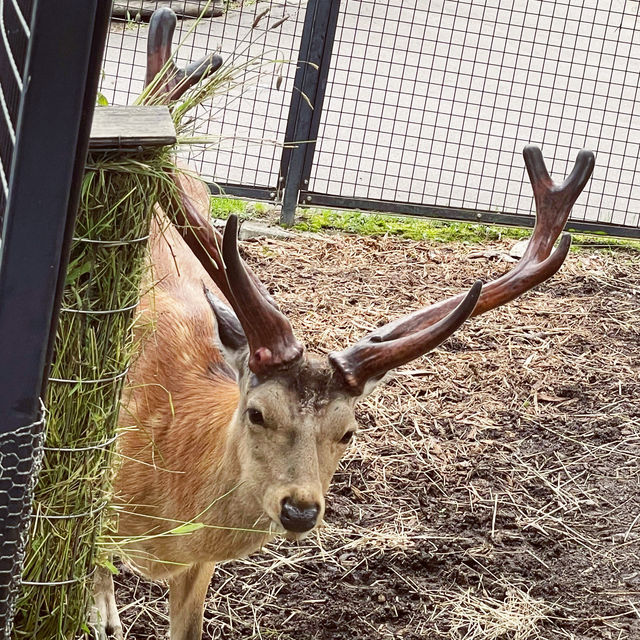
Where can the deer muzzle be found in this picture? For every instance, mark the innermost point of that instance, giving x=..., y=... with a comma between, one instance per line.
x=298, y=517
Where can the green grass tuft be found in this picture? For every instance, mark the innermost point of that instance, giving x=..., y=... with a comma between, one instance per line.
x=374, y=224
x=222, y=208
x=405, y=227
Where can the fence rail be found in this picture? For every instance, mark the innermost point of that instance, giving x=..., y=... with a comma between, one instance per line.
x=427, y=105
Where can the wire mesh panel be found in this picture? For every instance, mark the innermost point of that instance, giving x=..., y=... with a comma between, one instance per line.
x=432, y=102
x=14, y=31
x=260, y=41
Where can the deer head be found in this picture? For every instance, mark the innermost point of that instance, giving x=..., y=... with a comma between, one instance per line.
x=295, y=412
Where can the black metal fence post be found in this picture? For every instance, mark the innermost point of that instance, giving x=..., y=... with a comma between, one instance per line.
x=57, y=90
x=306, y=101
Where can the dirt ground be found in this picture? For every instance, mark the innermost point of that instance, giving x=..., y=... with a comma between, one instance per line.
x=493, y=490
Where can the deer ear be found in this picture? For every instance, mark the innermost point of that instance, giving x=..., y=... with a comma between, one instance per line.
x=230, y=338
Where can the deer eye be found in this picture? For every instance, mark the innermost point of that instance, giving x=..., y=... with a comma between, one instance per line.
x=255, y=417
x=346, y=438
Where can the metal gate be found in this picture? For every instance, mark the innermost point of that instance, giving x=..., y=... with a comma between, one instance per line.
x=417, y=107
x=50, y=54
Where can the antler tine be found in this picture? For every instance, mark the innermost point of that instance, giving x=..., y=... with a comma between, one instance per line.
x=374, y=355
x=553, y=205
x=175, y=81
x=553, y=202
x=272, y=343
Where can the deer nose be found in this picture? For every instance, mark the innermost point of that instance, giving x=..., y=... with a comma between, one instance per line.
x=298, y=517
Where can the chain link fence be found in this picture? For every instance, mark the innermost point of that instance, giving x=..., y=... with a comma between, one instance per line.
x=20, y=459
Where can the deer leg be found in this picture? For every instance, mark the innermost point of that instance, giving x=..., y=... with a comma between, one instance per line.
x=187, y=591
x=104, y=618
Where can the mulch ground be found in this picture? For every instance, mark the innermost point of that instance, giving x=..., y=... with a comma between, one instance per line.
x=493, y=490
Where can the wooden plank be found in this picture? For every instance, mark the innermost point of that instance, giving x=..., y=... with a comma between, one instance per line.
x=131, y=128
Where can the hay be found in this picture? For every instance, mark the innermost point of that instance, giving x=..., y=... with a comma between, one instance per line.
x=92, y=352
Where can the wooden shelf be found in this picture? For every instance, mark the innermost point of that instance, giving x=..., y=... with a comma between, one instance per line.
x=131, y=128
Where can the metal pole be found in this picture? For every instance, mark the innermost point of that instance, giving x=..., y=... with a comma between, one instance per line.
x=314, y=59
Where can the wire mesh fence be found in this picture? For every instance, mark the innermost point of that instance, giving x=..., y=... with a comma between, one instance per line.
x=261, y=41
x=433, y=102
x=428, y=104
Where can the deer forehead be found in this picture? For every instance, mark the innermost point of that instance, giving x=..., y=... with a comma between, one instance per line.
x=306, y=389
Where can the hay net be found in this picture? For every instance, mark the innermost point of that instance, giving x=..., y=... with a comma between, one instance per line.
x=20, y=458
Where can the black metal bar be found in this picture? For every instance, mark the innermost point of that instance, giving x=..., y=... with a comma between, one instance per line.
x=296, y=96
x=307, y=98
x=456, y=214
x=62, y=69
x=54, y=120
x=94, y=67
x=323, y=74
x=240, y=191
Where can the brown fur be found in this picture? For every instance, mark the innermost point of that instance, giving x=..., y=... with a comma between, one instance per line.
x=180, y=402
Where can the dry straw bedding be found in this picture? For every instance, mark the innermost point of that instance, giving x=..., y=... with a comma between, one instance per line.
x=493, y=490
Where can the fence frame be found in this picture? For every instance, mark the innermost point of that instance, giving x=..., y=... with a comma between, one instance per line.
x=43, y=195
x=307, y=98
x=61, y=77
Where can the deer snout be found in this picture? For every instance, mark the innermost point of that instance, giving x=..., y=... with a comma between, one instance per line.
x=298, y=517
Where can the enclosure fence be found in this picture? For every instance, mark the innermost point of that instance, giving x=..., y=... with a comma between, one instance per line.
x=426, y=108
x=44, y=125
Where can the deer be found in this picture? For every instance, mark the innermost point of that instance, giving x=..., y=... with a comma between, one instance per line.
x=230, y=425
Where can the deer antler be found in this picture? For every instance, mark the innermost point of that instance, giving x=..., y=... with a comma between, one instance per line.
x=190, y=215
x=401, y=341
x=175, y=81
x=272, y=344
x=190, y=208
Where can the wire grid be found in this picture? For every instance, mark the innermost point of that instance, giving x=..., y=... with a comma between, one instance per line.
x=20, y=459
x=433, y=102
x=15, y=17
x=251, y=120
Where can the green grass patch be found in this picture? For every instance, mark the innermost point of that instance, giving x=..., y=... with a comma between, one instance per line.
x=373, y=224
x=222, y=207
x=405, y=227
x=377, y=224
